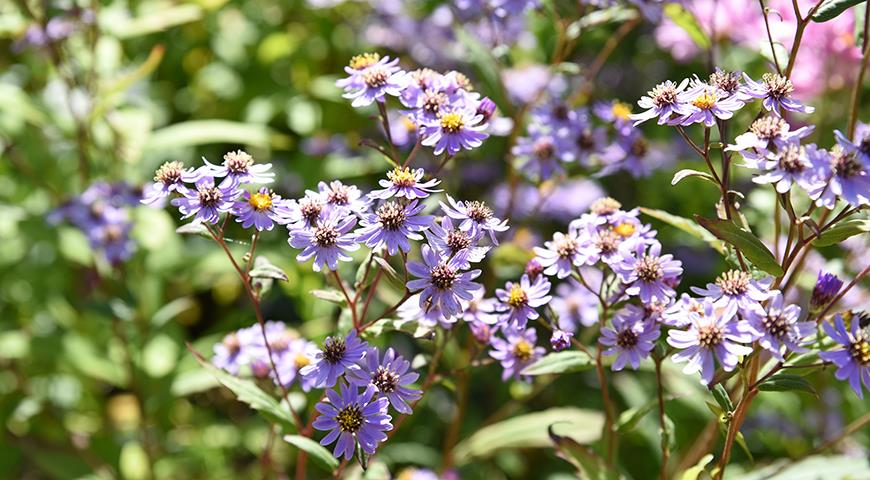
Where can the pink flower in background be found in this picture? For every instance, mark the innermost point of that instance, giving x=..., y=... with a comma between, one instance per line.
x=827, y=50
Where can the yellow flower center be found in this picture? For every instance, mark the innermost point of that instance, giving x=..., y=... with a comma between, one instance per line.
x=452, y=122
x=625, y=229
x=408, y=124
x=359, y=62
x=705, y=101
x=517, y=296
x=261, y=201
x=523, y=350
x=402, y=177
x=301, y=360
x=621, y=110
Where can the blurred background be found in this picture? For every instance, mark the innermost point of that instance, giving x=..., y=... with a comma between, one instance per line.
x=95, y=310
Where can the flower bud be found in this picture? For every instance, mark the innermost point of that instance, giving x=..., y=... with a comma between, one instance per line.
x=827, y=287
x=560, y=339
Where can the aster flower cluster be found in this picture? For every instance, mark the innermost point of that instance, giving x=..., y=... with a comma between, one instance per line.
x=442, y=109
x=357, y=412
x=102, y=214
x=600, y=139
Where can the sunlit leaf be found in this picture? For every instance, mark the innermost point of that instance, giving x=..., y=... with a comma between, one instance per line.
x=560, y=362
x=745, y=241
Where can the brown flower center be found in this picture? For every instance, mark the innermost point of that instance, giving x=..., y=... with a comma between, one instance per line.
x=391, y=215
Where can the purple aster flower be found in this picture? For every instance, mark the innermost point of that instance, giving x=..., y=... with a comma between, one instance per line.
x=631, y=338
x=714, y=335
x=390, y=377
x=648, y=274
x=327, y=241
x=861, y=146
x=515, y=351
x=239, y=168
x=775, y=90
x=614, y=112
x=560, y=340
x=348, y=197
x=679, y=313
x=826, y=290
x=450, y=241
x=704, y=104
x=337, y=357
x=413, y=310
x=538, y=155
x=561, y=255
x=308, y=210
x=846, y=176
x=113, y=239
x=298, y=354
x=575, y=305
x=852, y=361
x=392, y=225
x=262, y=210
x=518, y=301
x=661, y=102
x=777, y=327
x=479, y=309
x=229, y=353
x=533, y=268
x=170, y=177
x=474, y=217
x=207, y=202
x=351, y=417
x=453, y=131
x=765, y=132
x=357, y=67
x=737, y=288
x=404, y=182
x=375, y=82
x=442, y=283
x=791, y=163
x=631, y=152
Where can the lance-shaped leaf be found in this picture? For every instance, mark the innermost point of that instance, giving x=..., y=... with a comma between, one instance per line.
x=745, y=241
x=785, y=382
x=263, y=268
x=831, y=9
x=842, y=231
x=320, y=455
x=687, y=225
x=560, y=362
x=688, y=172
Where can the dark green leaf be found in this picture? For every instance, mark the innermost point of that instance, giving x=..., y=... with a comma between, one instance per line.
x=263, y=268
x=686, y=225
x=722, y=398
x=784, y=382
x=745, y=241
x=329, y=295
x=560, y=362
x=831, y=9
x=588, y=463
x=842, y=231
x=248, y=392
x=321, y=456
x=688, y=172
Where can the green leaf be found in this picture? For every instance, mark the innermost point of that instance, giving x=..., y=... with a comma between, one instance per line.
x=784, y=382
x=842, y=231
x=722, y=398
x=631, y=417
x=687, y=21
x=391, y=324
x=560, y=362
x=686, y=225
x=858, y=31
x=248, y=392
x=831, y=9
x=688, y=172
x=531, y=431
x=817, y=466
x=193, y=228
x=744, y=241
x=203, y=132
x=741, y=441
x=263, y=268
x=694, y=472
x=329, y=295
x=588, y=463
x=321, y=456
